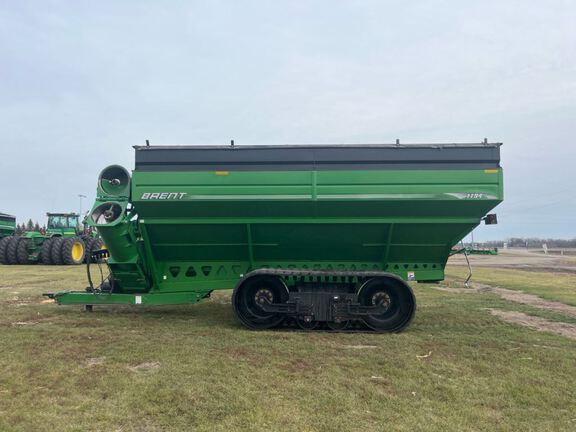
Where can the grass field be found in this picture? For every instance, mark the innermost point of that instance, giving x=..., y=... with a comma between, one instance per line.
x=457, y=368
x=552, y=286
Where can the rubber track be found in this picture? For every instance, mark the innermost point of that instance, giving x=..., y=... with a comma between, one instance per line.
x=290, y=324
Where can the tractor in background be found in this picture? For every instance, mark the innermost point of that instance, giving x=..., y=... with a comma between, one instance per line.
x=64, y=242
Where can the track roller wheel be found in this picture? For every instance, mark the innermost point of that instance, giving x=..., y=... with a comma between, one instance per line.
x=56, y=251
x=338, y=325
x=307, y=325
x=252, y=293
x=44, y=254
x=73, y=251
x=22, y=252
x=396, y=299
x=12, y=250
x=3, y=245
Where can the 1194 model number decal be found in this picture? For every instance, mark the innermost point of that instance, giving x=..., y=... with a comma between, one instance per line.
x=474, y=195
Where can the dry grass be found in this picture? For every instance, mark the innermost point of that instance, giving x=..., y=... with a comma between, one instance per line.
x=458, y=368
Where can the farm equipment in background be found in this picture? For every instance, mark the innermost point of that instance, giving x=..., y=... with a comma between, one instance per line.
x=475, y=251
x=307, y=236
x=7, y=225
x=64, y=242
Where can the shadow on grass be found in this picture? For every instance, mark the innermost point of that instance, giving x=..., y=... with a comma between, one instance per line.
x=206, y=314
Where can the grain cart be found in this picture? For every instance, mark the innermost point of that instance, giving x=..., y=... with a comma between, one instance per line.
x=7, y=225
x=63, y=242
x=306, y=236
x=7, y=229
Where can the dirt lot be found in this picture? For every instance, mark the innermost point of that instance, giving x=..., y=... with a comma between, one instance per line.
x=496, y=356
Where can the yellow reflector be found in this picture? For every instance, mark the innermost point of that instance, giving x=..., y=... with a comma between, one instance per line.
x=491, y=171
x=221, y=173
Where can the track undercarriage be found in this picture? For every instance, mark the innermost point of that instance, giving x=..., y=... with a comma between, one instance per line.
x=264, y=299
x=336, y=300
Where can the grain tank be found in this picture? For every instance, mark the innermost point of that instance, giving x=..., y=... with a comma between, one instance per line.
x=326, y=235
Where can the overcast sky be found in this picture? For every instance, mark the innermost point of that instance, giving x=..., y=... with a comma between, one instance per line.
x=81, y=83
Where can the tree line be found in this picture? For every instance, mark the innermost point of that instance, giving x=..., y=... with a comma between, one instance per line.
x=532, y=242
x=28, y=226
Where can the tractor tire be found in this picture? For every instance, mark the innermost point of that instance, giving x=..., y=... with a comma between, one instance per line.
x=73, y=251
x=22, y=252
x=98, y=244
x=12, y=250
x=88, y=242
x=56, y=251
x=3, y=245
x=44, y=255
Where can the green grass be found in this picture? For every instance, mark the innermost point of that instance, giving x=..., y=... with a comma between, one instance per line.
x=548, y=285
x=206, y=373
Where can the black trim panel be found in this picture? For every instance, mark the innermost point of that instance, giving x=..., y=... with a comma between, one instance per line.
x=7, y=217
x=304, y=158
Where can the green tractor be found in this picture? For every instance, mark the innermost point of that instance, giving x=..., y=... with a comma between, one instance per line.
x=64, y=242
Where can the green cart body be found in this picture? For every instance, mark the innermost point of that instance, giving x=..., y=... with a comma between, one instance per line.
x=307, y=221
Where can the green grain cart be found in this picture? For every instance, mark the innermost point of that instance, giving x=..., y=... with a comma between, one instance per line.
x=308, y=236
x=7, y=225
x=63, y=243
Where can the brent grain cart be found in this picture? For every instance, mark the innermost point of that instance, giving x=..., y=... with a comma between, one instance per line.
x=306, y=235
